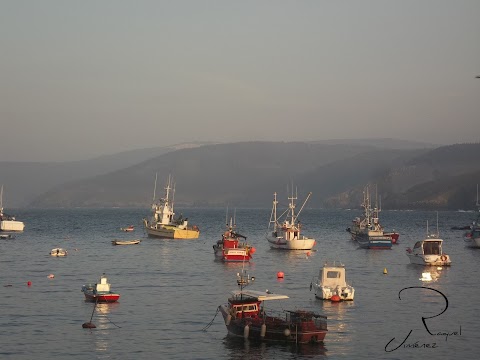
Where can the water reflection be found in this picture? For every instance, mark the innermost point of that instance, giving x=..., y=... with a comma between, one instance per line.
x=238, y=348
x=428, y=274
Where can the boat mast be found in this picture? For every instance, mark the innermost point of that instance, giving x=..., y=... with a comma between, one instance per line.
x=292, y=206
x=155, y=187
x=275, y=202
x=1, y=198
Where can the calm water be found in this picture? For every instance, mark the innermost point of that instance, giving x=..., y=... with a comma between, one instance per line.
x=170, y=289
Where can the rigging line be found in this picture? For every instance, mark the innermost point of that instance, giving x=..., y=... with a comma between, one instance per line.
x=211, y=322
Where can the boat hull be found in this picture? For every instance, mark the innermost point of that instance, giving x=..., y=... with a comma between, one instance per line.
x=172, y=232
x=326, y=293
x=430, y=260
x=232, y=255
x=393, y=236
x=126, y=242
x=11, y=225
x=276, y=329
x=373, y=242
x=103, y=298
x=296, y=244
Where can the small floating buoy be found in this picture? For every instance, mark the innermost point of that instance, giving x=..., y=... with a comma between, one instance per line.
x=335, y=298
x=308, y=253
x=88, y=325
x=51, y=276
x=280, y=275
x=385, y=272
x=29, y=283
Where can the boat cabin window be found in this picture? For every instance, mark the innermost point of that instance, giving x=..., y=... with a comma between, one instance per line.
x=432, y=248
x=333, y=274
x=245, y=308
x=417, y=244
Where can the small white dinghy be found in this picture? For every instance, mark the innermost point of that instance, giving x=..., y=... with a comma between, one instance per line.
x=59, y=252
x=331, y=283
x=125, y=242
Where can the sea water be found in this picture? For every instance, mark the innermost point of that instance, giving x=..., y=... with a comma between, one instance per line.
x=170, y=289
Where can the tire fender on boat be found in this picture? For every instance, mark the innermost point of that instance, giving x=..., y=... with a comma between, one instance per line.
x=443, y=258
x=228, y=319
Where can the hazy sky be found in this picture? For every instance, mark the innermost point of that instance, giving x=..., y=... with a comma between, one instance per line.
x=85, y=78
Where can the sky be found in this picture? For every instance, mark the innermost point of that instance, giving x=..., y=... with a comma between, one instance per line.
x=80, y=79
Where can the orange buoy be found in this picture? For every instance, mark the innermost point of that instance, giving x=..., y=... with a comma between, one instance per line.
x=51, y=276
x=280, y=275
x=335, y=298
x=252, y=251
x=29, y=283
x=308, y=253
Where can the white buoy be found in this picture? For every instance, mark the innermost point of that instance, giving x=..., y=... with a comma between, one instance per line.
x=228, y=319
x=287, y=332
x=246, y=331
x=263, y=330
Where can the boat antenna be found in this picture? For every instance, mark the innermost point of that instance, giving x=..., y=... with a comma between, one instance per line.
x=1, y=198
x=235, y=217
x=438, y=234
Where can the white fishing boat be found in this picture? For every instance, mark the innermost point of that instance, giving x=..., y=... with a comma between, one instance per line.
x=58, y=252
x=8, y=222
x=162, y=223
x=331, y=283
x=473, y=235
x=286, y=231
x=429, y=251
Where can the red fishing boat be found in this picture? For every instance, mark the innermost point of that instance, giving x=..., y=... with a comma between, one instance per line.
x=230, y=248
x=100, y=292
x=245, y=316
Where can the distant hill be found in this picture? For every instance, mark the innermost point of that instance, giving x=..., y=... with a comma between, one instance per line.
x=245, y=174
x=24, y=181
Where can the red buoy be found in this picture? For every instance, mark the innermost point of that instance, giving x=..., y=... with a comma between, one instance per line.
x=280, y=275
x=335, y=298
x=29, y=283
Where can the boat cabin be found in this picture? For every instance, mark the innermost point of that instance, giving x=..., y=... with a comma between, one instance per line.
x=428, y=247
x=247, y=303
x=332, y=276
x=103, y=286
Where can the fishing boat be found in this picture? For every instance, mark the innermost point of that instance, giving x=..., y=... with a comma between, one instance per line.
x=162, y=223
x=58, y=252
x=128, y=228
x=246, y=316
x=100, y=292
x=126, y=242
x=429, y=251
x=8, y=222
x=286, y=231
x=331, y=283
x=230, y=248
x=367, y=231
x=473, y=235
